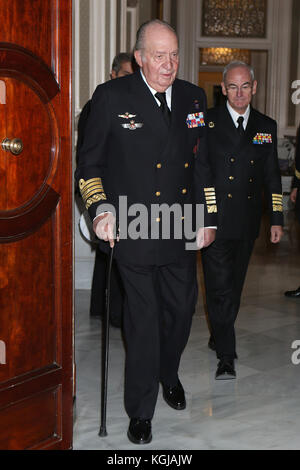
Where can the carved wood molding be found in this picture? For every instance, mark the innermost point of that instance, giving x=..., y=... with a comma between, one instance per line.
x=19, y=62
x=16, y=226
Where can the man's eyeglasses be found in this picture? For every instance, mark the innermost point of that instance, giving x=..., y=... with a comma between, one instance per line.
x=234, y=88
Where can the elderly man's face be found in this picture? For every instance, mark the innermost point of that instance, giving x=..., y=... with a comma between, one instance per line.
x=239, y=88
x=159, y=59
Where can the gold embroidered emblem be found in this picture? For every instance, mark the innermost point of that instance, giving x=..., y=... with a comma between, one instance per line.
x=211, y=124
x=212, y=209
x=210, y=198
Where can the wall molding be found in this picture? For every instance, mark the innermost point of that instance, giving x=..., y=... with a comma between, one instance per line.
x=277, y=43
x=104, y=18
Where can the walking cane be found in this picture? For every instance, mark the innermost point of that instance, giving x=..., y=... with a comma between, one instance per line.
x=105, y=349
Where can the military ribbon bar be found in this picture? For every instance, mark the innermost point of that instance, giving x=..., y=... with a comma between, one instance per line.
x=195, y=120
x=262, y=138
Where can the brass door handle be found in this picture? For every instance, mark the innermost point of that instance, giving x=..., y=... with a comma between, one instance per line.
x=15, y=146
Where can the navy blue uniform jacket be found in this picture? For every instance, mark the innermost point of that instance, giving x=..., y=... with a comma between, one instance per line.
x=244, y=170
x=129, y=151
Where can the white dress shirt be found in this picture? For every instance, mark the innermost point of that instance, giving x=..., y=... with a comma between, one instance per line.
x=234, y=115
x=168, y=92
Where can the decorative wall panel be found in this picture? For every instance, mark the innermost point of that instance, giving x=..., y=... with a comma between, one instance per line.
x=223, y=55
x=232, y=18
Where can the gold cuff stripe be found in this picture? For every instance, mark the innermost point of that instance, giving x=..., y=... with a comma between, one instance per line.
x=210, y=198
x=86, y=186
x=297, y=174
x=83, y=183
x=277, y=202
x=91, y=191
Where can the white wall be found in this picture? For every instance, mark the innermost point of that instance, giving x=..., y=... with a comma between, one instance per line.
x=95, y=34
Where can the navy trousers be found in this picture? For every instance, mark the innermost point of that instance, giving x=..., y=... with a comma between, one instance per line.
x=158, y=309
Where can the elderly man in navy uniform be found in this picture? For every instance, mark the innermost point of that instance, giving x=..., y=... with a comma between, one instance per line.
x=242, y=145
x=146, y=140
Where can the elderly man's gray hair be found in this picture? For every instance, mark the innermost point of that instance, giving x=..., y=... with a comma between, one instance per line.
x=140, y=35
x=237, y=63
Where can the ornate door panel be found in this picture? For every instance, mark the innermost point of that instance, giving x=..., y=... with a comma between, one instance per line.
x=35, y=225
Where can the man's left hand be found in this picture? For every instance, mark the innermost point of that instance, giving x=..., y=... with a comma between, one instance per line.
x=276, y=233
x=205, y=236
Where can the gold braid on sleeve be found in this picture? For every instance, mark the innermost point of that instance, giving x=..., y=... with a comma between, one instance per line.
x=91, y=191
x=277, y=202
x=210, y=198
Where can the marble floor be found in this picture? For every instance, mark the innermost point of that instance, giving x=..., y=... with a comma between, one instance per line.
x=259, y=410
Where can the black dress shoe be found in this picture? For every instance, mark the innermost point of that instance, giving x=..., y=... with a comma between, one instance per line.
x=293, y=293
x=225, y=370
x=139, y=431
x=174, y=396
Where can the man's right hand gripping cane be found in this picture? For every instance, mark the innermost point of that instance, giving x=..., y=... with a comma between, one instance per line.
x=104, y=227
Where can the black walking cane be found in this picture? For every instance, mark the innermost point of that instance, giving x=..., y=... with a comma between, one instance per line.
x=105, y=349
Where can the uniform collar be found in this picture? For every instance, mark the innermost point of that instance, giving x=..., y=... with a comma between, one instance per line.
x=168, y=91
x=234, y=115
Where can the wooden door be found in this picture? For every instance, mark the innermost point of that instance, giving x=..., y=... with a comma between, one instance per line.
x=36, y=337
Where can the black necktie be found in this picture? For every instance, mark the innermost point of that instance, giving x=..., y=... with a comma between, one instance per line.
x=164, y=107
x=241, y=129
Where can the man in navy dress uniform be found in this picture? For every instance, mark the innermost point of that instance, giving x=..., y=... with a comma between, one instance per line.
x=242, y=145
x=146, y=141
